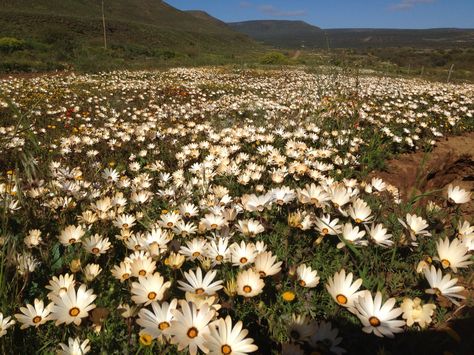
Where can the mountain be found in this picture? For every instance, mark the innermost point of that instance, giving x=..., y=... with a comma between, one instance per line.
x=297, y=34
x=145, y=25
x=282, y=33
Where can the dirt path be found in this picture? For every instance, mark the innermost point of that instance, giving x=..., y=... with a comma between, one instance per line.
x=451, y=161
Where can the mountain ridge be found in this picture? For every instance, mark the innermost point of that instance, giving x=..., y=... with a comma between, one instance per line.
x=297, y=34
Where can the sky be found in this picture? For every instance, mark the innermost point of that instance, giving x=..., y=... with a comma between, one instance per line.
x=342, y=13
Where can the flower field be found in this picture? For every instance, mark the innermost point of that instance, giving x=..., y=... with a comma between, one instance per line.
x=226, y=211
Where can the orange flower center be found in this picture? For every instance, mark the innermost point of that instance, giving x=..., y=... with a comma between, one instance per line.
x=152, y=295
x=262, y=273
x=192, y=333
x=169, y=224
x=341, y=299
x=358, y=220
x=163, y=325
x=226, y=349
x=72, y=241
x=374, y=321
x=125, y=276
x=243, y=260
x=73, y=312
x=213, y=226
x=199, y=291
x=95, y=250
x=219, y=258
x=247, y=289
x=142, y=272
x=196, y=254
x=325, y=231
x=302, y=283
x=445, y=263
x=37, y=319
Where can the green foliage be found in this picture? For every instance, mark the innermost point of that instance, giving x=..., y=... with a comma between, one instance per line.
x=11, y=44
x=274, y=58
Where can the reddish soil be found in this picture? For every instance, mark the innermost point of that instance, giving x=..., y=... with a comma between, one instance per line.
x=451, y=161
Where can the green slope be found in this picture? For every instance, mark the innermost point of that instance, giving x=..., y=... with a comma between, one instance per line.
x=66, y=29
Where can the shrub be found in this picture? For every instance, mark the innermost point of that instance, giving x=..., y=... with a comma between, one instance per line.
x=11, y=44
x=274, y=58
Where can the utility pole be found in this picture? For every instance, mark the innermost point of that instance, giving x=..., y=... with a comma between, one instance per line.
x=103, y=25
x=450, y=72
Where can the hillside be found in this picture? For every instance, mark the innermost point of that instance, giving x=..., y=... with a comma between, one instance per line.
x=297, y=34
x=282, y=33
x=380, y=38
x=148, y=28
x=203, y=15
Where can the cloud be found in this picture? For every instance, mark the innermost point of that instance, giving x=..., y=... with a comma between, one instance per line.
x=409, y=4
x=273, y=11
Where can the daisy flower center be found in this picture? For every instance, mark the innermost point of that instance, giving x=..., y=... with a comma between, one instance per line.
x=219, y=258
x=213, y=226
x=74, y=311
x=95, y=250
x=125, y=276
x=302, y=283
x=196, y=254
x=199, y=291
x=146, y=339
x=374, y=321
x=163, y=325
x=445, y=263
x=341, y=299
x=125, y=225
x=72, y=241
x=325, y=231
x=37, y=319
x=243, y=260
x=169, y=224
x=152, y=295
x=247, y=289
x=358, y=220
x=192, y=333
x=142, y=272
x=262, y=273
x=226, y=349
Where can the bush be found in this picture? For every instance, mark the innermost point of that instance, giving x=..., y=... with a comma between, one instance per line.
x=274, y=58
x=11, y=44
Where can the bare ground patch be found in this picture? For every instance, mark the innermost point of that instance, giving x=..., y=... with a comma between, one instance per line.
x=450, y=162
